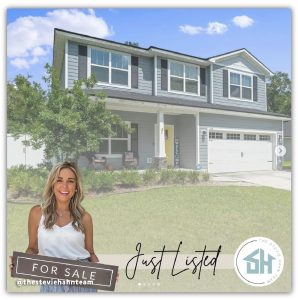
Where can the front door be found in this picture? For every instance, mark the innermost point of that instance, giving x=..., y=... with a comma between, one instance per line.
x=169, y=144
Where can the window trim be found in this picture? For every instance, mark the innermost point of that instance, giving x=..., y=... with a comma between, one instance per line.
x=246, y=135
x=170, y=61
x=233, y=134
x=267, y=139
x=110, y=68
x=241, y=86
x=110, y=139
x=216, y=134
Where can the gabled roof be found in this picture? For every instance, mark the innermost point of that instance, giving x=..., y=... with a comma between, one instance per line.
x=244, y=52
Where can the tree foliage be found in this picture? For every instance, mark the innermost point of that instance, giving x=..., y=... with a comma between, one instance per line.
x=67, y=122
x=279, y=92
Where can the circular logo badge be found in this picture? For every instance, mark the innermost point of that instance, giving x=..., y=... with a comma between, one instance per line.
x=258, y=261
x=280, y=150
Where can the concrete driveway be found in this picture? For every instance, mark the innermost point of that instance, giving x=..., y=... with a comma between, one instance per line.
x=275, y=179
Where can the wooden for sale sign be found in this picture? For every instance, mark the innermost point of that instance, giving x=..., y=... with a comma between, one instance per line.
x=54, y=270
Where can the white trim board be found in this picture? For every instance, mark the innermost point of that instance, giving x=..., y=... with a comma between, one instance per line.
x=66, y=65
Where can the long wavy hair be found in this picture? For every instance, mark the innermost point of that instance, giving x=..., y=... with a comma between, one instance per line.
x=49, y=205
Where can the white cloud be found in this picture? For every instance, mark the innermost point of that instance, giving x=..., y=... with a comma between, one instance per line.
x=39, y=51
x=29, y=37
x=243, y=21
x=192, y=30
x=212, y=28
x=216, y=28
x=34, y=60
x=20, y=63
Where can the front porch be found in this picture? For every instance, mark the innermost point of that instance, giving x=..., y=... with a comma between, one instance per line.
x=160, y=139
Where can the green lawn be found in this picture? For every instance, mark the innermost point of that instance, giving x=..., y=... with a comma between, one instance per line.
x=197, y=216
x=287, y=165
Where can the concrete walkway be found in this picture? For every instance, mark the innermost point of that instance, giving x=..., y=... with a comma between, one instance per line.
x=275, y=179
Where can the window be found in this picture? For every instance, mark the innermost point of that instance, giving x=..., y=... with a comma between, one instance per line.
x=184, y=78
x=250, y=137
x=233, y=136
x=264, y=137
x=110, y=68
x=215, y=135
x=117, y=144
x=240, y=86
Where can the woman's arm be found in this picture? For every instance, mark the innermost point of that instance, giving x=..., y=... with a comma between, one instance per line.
x=33, y=222
x=88, y=225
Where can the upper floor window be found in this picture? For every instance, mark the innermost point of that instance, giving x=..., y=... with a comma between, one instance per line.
x=240, y=86
x=110, y=67
x=184, y=78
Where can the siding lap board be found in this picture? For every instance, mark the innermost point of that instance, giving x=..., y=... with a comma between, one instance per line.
x=73, y=63
x=218, y=98
x=160, y=92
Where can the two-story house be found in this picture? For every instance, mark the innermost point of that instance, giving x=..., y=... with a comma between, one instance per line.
x=186, y=111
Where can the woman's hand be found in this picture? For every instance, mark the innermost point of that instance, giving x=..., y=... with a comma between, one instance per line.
x=11, y=265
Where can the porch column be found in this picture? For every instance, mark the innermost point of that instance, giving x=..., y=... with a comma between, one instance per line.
x=197, y=139
x=161, y=151
x=160, y=155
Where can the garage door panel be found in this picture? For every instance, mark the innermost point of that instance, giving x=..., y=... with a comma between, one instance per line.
x=239, y=155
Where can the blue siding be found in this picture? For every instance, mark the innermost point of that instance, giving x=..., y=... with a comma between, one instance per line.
x=213, y=120
x=176, y=95
x=146, y=75
x=145, y=134
x=146, y=71
x=186, y=133
x=62, y=75
x=218, y=98
x=73, y=63
x=233, y=122
x=203, y=148
x=146, y=81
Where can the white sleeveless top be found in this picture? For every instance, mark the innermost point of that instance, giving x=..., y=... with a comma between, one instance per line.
x=61, y=242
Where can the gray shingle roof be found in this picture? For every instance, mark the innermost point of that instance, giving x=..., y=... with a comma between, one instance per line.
x=127, y=95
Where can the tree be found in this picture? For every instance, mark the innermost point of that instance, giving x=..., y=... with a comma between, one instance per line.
x=279, y=93
x=67, y=122
x=129, y=43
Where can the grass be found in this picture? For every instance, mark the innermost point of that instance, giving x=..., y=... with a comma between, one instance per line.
x=197, y=216
x=287, y=165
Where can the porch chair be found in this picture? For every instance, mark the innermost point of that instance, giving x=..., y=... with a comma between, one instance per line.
x=130, y=159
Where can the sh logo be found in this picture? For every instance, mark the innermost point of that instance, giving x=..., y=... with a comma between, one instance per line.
x=258, y=261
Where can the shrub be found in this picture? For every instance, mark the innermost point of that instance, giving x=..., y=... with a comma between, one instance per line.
x=180, y=177
x=89, y=180
x=194, y=176
x=150, y=176
x=129, y=178
x=167, y=176
x=24, y=181
x=98, y=181
x=106, y=180
x=205, y=176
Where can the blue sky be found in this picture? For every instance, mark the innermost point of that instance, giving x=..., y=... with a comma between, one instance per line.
x=265, y=32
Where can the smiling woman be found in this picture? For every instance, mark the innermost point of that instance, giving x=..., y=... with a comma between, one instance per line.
x=61, y=227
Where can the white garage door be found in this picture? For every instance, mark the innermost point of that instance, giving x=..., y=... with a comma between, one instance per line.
x=233, y=152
